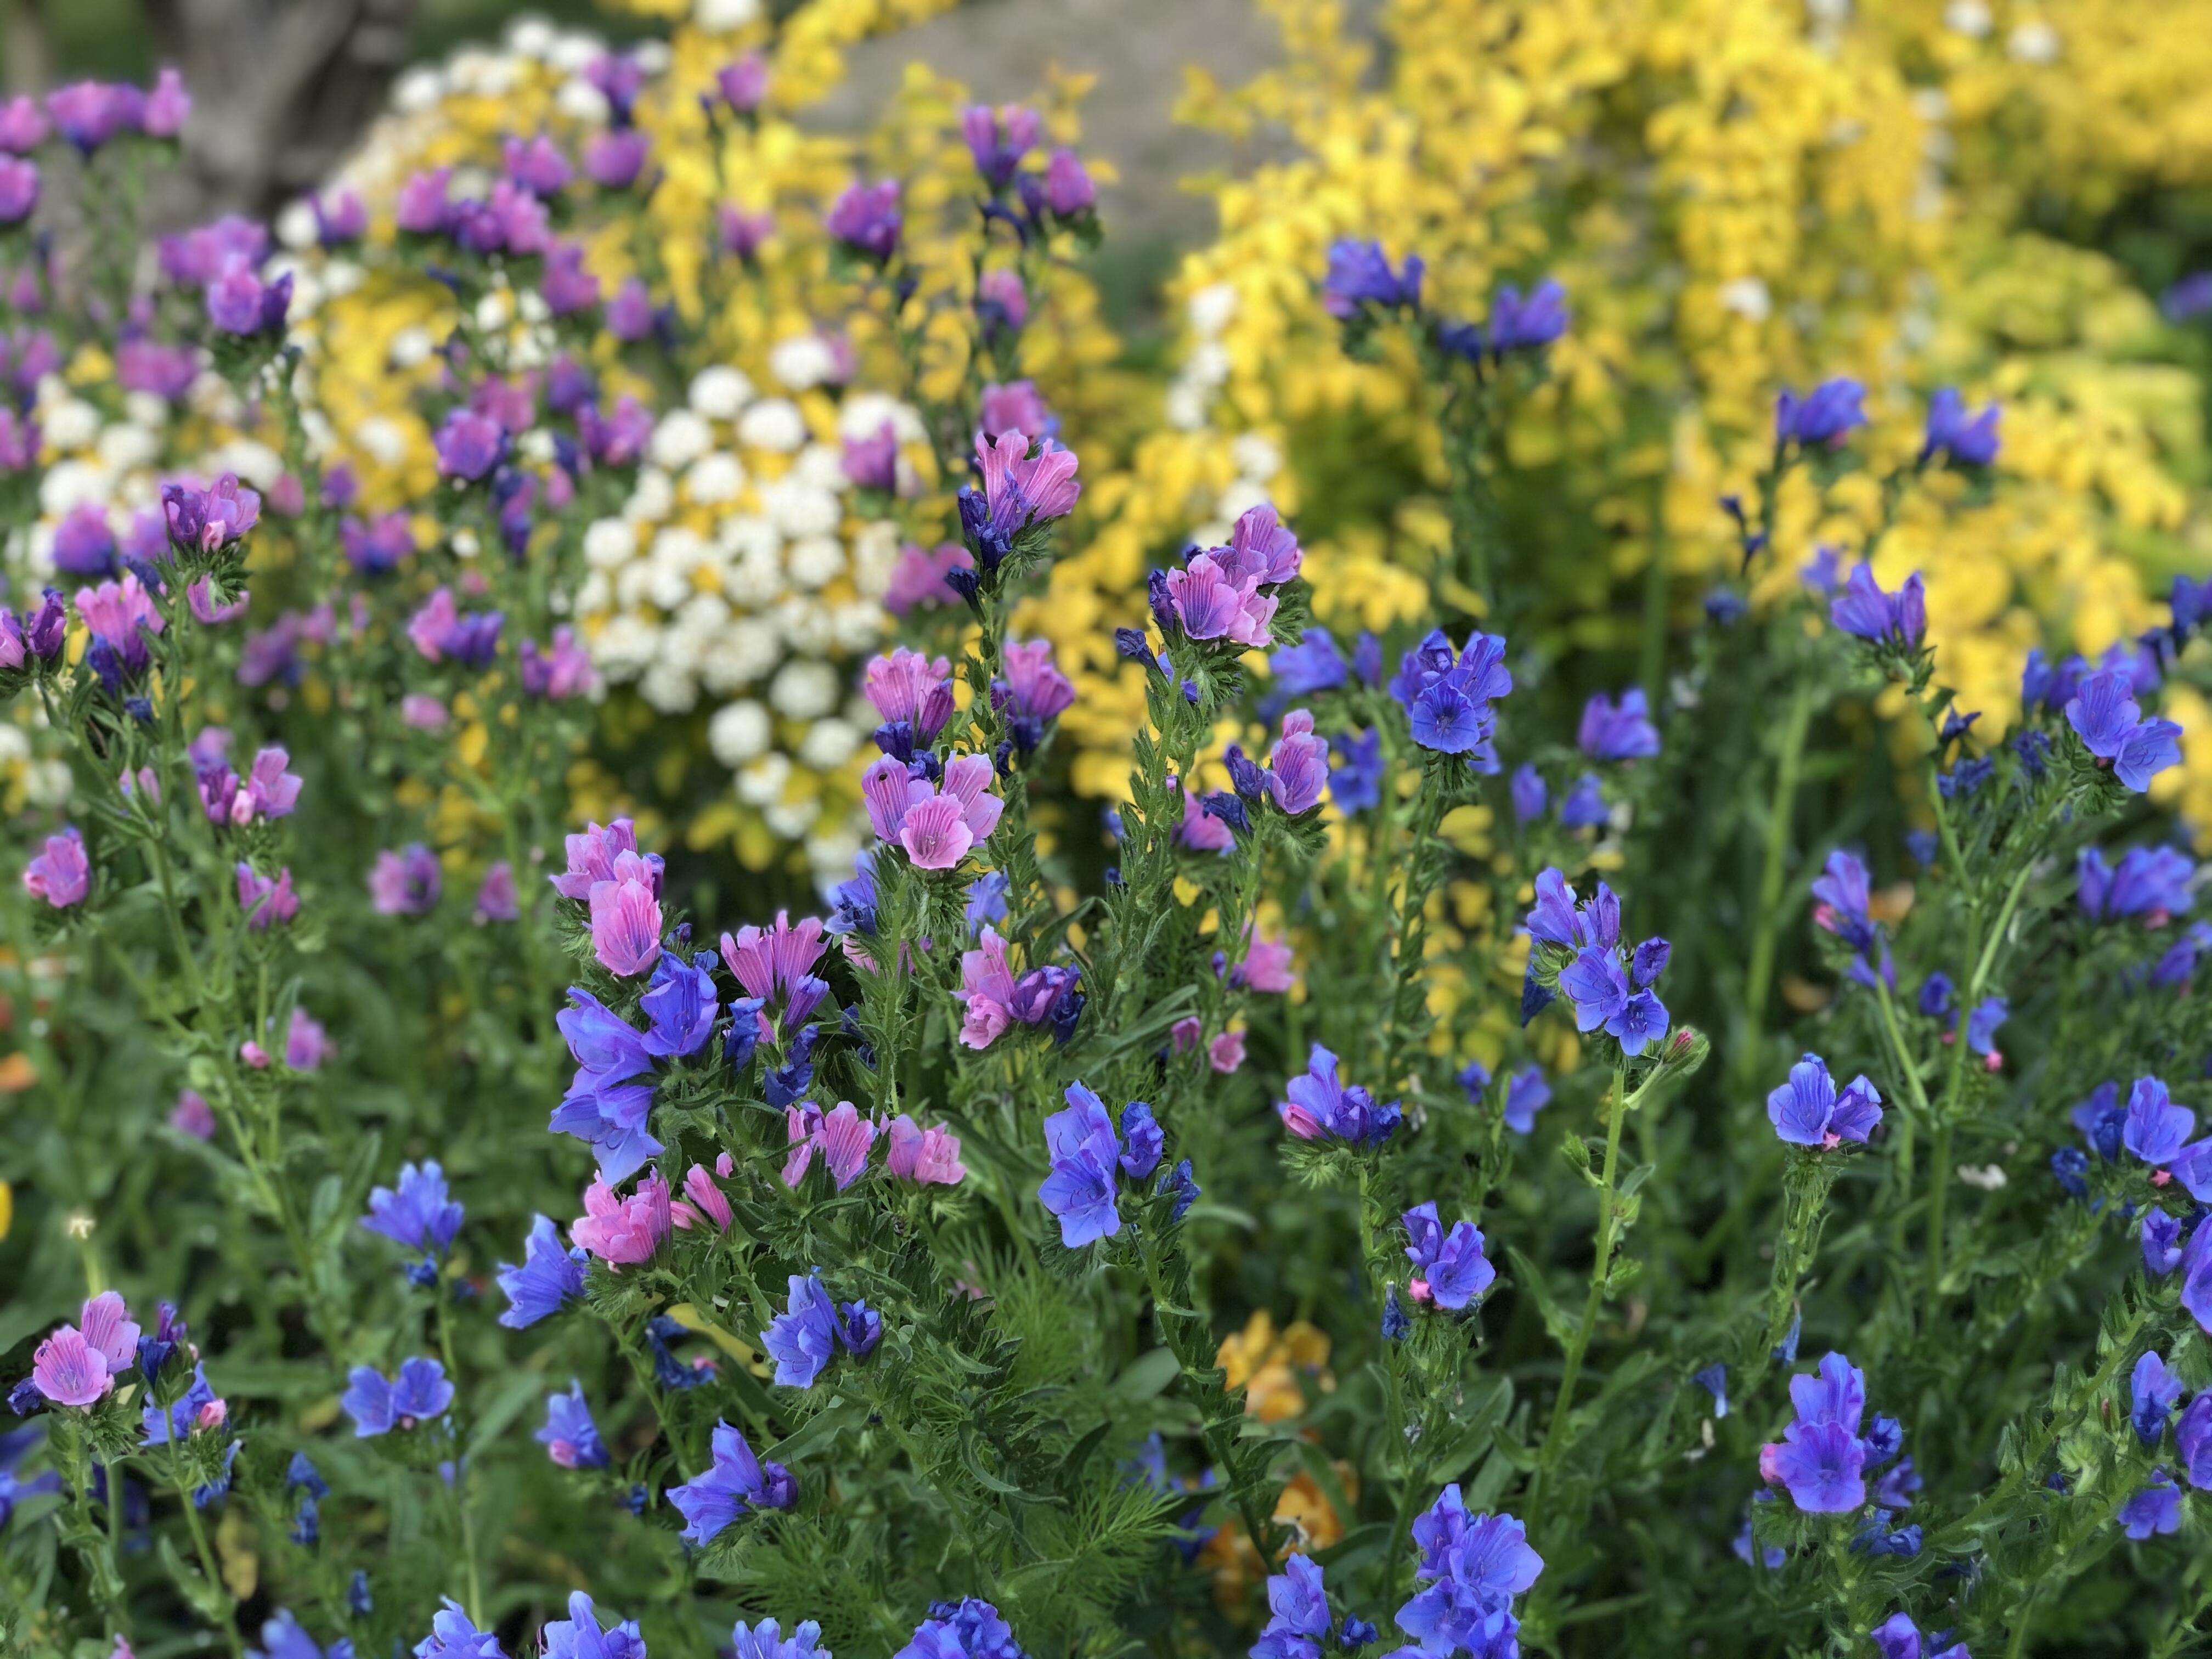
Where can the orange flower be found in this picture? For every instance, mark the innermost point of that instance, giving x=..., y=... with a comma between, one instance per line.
x=1267, y=1365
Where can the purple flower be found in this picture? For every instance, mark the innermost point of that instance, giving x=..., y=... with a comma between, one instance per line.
x=1473, y=1566
x=626, y=919
x=735, y=1482
x=406, y=883
x=1584, y=807
x=1898, y=1638
x=1529, y=793
x=537, y=165
x=2152, y=882
x=1842, y=897
x=998, y=139
x=1835, y=1393
x=1452, y=1267
x=1359, y=274
x=613, y=160
x=90, y=113
x=1355, y=783
x=1068, y=191
x=238, y=302
x=2155, y=1128
x=969, y=1629
x=418, y=1393
x=1519, y=324
x=579, y=1635
x=1141, y=1134
x=871, y=463
x=561, y=671
x=1527, y=1093
x=803, y=1339
x=1617, y=732
x=339, y=219
x=1298, y=772
x=469, y=445
x=866, y=221
x=420, y=1215
x=1597, y=986
x=1963, y=440
x=1322, y=1106
x=207, y=521
x=19, y=189
x=1015, y=406
x=743, y=82
x=265, y=903
x=550, y=1278
x=1313, y=664
x=61, y=874
x=1862, y=609
x=1808, y=1111
x=1821, y=1464
x=22, y=127
x=1298, y=1612
x=1020, y=488
x=1824, y=415
x=2192, y=1437
x=682, y=1004
x=2155, y=1509
x=1981, y=1025
x=1084, y=1153
x=2161, y=1242
x=2105, y=715
x=2153, y=1391
x=592, y=857
x=567, y=287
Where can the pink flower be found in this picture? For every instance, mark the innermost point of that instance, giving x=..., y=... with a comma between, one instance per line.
x=1266, y=965
x=265, y=903
x=591, y=858
x=1185, y=1033
x=1039, y=689
x=935, y=834
x=928, y=1157
x=433, y=625
x=1015, y=406
x=61, y=875
x=1020, y=488
x=199, y=594
x=115, y=611
x=191, y=1115
x=1261, y=550
x=68, y=1370
x=268, y=790
x=1211, y=605
x=166, y=105
x=918, y=576
x=110, y=1332
x=626, y=916
x=987, y=990
x=1298, y=772
x=888, y=790
x=1202, y=832
x=1226, y=1052
x=307, y=1045
x=703, y=1200
x=768, y=961
x=907, y=685
x=496, y=896
x=623, y=1231
x=841, y=1136
x=423, y=712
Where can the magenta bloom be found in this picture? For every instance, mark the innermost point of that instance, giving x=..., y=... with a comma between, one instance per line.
x=704, y=1201
x=908, y=685
x=865, y=218
x=623, y=1232
x=338, y=220
x=630, y=313
x=1034, y=688
x=265, y=903
x=469, y=445
x=1002, y=302
x=872, y=462
x=562, y=671
x=199, y=595
x=422, y=208
x=194, y=257
x=1822, y=1464
x=740, y=232
x=537, y=165
x=61, y=875
x=405, y=883
x=91, y=113
x=306, y=1044
x=191, y=1115
x=1201, y=830
x=591, y=858
x=918, y=576
x=1260, y=549
x=771, y=962
x=206, y=521
x=1068, y=191
x=167, y=108
x=1020, y=488
x=268, y=791
x=238, y=302
x=613, y=160
x=1226, y=1054
x=987, y=991
x=841, y=1136
x=1211, y=605
x=495, y=895
x=1266, y=965
x=998, y=139
x=928, y=1157
x=1298, y=772
x=67, y=1370
x=168, y=372
x=22, y=127
x=115, y=613
x=744, y=83
x=19, y=189
x=626, y=916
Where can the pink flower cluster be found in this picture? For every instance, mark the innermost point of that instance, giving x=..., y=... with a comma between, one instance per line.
x=623, y=1232
x=76, y=1367
x=937, y=824
x=623, y=888
x=841, y=1136
x=1217, y=594
x=704, y=1201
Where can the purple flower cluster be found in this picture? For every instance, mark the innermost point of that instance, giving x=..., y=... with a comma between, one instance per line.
x=1449, y=1267
x=1822, y=1460
x=1322, y=1106
x=1472, y=1566
x=1898, y=620
x=1448, y=696
x=735, y=1482
x=1808, y=1111
x=1086, y=1156
x=804, y=1338
x=1578, y=953
x=2104, y=713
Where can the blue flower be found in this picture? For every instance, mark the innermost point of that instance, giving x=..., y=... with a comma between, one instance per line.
x=1359, y=274
x=1473, y=1080
x=1596, y=985
x=1084, y=1150
x=1179, y=1181
x=2153, y=1392
x=1875, y=1537
x=1141, y=1132
x=784, y=1085
x=735, y=1482
x=1935, y=1000
x=1451, y=1264
x=853, y=903
x=1527, y=1093
x=2155, y=1129
x=1519, y=324
x=1899, y=619
x=967, y=1629
x=1713, y=1379
x=987, y=903
x=570, y=1438
x=1529, y=794
x=1898, y=1638
x=549, y=1278
x=181, y=1418
x=1649, y=961
x=1612, y=731
x=604, y=1105
x=1982, y=1024
x=2105, y=714
x=580, y=1635
x=681, y=1006
x=1823, y=415
x=1355, y=782
x=283, y=1637
x=1821, y=1465
x=1448, y=695
x=1396, y=1327
x=2070, y=1164
x=1312, y=665
x=420, y=1215
x=1322, y=1106
x=766, y=1640
x=1584, y=807
x=1298, y=1612
x=2161, y=1242
x=419, y=1392
x=2155, y=1509
x=1725, y=607
x=2151, y=881
x=1842, y=900
x=1965, y=440
x=453, y=1636
x=803, y=1339
x=1473, y=1566
x=743, y=1036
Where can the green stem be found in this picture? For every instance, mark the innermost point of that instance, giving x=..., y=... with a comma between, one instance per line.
x=200, y=1543
x=465, y=1510
x=1609, y=1213
x=1761, y=971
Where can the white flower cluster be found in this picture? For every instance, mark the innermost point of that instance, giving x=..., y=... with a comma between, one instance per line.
x=1205, y=365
